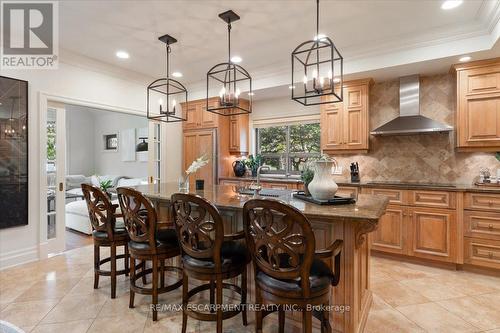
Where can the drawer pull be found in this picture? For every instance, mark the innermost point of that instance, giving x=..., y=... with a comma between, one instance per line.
x=490, y=255
x=490, y=203
x=490, y=226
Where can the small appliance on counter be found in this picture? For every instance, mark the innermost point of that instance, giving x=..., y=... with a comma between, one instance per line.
x=354, y=172
x=239, y=168
x=485, y=178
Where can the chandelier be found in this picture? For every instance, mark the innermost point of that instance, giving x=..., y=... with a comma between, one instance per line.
x=317, y=70
x=166, y=96
x=230, y=81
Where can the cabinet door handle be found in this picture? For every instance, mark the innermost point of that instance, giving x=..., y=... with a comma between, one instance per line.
x=490, y=255
x=490, y=226
x=61, y=187
x=490, y=203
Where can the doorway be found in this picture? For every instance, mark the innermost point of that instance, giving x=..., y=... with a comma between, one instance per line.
x=91, y=145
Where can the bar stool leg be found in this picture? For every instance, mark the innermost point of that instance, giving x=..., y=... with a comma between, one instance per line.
x=155, y=287
x=132, y=282
x=185, y=286
x=143, y=267
x=244, y=296
x=212, y=295
x=96, y=265
x=281, y=320
x=258, y=313
x=325, y=322
x=113, y=271
x=218, y=291
x=306, y=321
x=126, y=260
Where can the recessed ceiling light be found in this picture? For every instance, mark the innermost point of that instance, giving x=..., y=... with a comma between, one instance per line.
x=177, y=74
x=450, y=4
x=465, y=59
x=122, y=54
x=291, y=87
x=236, y=59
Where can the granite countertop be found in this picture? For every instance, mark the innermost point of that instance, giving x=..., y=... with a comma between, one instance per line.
x=367, y=208
x=388, y=184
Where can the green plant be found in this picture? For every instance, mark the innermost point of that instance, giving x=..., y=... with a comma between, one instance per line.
x=253, y=162
x=105, y=185
x=307, y=175
x=498, y=156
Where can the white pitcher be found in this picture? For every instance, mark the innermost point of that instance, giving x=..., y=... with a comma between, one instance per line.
x=323, y=187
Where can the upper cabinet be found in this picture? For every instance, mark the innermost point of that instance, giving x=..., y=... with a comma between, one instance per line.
x=478, y=105
x=239, y=133
x=345, y=126
x=198, y=117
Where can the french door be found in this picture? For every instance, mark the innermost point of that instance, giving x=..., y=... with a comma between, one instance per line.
x=53, y=184
x=156, y=151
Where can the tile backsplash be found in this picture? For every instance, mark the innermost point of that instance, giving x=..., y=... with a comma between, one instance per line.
x=422, y=157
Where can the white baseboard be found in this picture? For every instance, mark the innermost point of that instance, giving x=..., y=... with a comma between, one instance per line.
x=18, y=257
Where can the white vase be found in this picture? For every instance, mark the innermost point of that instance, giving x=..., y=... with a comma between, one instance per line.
x=323, y=187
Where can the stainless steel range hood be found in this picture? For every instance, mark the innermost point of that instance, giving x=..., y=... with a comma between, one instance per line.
x=410, y=121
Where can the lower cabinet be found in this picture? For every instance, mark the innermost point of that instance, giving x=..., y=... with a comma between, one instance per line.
x=482, y=252
x=424, y=232
x=390, y=235
x=433, y=233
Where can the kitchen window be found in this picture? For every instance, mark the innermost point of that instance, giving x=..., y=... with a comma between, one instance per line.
x=286, y=148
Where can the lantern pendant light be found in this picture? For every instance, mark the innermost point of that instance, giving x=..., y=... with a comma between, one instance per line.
x=230, y=81
x=166, y=97
x=317, y=70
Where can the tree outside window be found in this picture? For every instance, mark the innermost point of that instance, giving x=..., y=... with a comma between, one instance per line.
x=286, y=149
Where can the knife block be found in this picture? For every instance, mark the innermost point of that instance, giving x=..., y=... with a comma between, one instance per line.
x=355, y=177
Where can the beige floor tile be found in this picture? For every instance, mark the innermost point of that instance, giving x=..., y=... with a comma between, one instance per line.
x=433, y=318
x=78, y=326
x=131, y=322
x=465, y=283
x=483, y=315
x=389, y=321
x=86, y=286
x=432, y=289
x=76, y=307
x=48, y=289
x=396, y=294
x=119, y=306
x=379, y=304
x=172, y=324
x=492, y=299
x=379, y=277
x=402, y=272
x=27, y=313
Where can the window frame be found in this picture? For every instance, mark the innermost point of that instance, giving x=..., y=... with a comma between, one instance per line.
x=287, y=154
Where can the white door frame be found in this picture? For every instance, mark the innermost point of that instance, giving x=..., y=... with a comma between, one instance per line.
x=43, y=101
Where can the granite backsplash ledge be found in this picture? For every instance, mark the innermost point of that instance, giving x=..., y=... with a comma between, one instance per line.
x=421, y=157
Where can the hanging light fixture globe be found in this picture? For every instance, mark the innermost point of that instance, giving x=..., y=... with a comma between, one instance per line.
x=231, y=82
x=166, y=97
x=317, y=70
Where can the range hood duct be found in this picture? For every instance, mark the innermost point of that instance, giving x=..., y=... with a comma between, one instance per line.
x=410, y=121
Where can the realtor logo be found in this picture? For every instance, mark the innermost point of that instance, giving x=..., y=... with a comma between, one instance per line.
x=29, y=35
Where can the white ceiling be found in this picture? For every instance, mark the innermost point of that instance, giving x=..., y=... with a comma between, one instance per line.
x=371, y=35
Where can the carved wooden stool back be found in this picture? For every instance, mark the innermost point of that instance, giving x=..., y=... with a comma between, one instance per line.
x=280, y=239
x=199, y=227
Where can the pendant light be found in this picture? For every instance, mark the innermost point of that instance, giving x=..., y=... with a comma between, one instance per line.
x=10, y=131
x=166, y=96
x=232, y=82
x=317, y=70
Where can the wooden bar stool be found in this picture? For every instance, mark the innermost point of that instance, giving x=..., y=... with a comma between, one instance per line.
x=147, y=244
x=208, y=255
x=105, y=232
x=287, y=269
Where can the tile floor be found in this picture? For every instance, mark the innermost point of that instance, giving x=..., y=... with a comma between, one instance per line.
x=57, y=295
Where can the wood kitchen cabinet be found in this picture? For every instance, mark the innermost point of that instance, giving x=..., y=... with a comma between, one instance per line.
x=196, y=144
x=417, y=223
x=198, y=117
x=239, y=133
x=390, y=236
x=478, y=105
x=345, y=125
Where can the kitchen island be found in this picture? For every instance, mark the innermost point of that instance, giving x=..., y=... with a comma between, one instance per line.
x=351, y=223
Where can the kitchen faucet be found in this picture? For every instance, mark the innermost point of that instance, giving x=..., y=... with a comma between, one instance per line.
x=257, y=187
